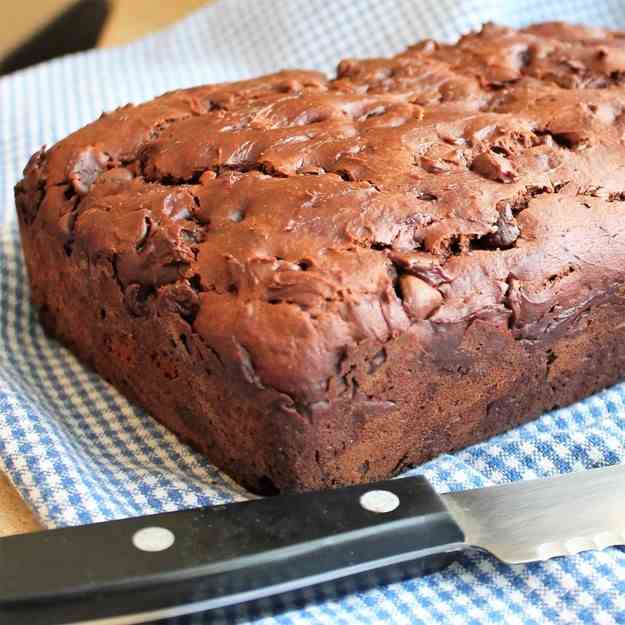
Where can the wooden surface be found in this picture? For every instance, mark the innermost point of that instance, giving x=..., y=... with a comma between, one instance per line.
x=129, y=19
x=22, y=19
x=15, y=517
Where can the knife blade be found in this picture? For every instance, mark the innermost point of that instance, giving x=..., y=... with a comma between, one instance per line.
x=147, y=568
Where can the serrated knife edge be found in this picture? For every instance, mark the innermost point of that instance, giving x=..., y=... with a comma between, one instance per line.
x=535, y=520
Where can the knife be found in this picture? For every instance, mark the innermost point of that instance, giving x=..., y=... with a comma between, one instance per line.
x=165, y=565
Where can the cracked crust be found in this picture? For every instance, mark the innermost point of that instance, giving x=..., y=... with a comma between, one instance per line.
x=298, y=274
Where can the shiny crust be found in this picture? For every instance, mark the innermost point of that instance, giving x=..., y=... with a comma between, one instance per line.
x=301, y=230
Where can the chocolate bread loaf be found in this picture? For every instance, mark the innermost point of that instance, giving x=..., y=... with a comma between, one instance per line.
x=319, y=282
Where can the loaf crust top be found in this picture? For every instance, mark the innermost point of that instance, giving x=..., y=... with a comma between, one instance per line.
x=291, y=217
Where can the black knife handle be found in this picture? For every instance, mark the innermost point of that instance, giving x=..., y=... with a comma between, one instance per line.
x=225, y=554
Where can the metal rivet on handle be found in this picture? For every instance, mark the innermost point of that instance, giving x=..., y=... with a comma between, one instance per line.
x=379, y=501
x=153, y=539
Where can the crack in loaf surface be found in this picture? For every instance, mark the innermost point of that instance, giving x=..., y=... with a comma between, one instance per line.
x=294, y=219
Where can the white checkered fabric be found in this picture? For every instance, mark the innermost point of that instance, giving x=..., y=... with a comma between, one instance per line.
x=79, y=452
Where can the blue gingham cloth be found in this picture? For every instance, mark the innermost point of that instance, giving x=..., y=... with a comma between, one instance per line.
x=79, y=452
